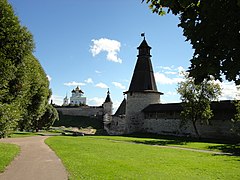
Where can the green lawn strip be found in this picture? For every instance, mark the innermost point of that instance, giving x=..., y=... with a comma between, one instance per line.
x=179, y=142
x=7, y=154
x=18, y=134
x=23, y=134
x=98, y=158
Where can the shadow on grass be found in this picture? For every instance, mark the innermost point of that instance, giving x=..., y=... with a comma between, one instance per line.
x=161, y=142
x=232, y=148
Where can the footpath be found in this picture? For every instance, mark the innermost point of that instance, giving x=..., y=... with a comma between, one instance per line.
x=36, y=161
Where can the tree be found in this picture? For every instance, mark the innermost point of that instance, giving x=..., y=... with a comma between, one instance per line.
x=37, y=95
x=196, y=100
x=24, y=87
x=48, y=118
x=15, y=43
x=212, y=27
x=236, y=119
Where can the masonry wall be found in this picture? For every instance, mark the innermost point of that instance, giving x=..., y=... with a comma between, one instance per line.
x=135, y=103
x=80, y=117
x=116, y=126
x=81, y=111
x=217, y=129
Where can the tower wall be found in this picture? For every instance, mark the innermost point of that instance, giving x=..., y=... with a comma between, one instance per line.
x=107, y=108
x=136, y=102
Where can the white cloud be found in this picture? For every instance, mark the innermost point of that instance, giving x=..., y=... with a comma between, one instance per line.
x=229, y=90
x=170, y=72
x=89, y=80
x=102, y=85
x=116, y=105
x=98, y=72
x=119, y=85
x=166, y=67
x=58, y=100
x=112, y=47
x=163, y=79
x=73, y=83
x=171, y=93
x=180, y=69
x=49, y=78
x=96, y=101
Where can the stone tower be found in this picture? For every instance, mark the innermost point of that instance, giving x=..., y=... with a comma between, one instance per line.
x=107, y=105
x=142, y=90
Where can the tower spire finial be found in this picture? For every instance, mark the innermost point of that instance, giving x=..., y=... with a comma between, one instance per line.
x=143, y=35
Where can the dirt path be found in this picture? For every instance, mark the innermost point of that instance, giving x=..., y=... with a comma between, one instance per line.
x=35, y=162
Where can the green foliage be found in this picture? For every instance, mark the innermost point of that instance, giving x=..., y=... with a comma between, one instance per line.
x=48, y=118
x=24, y=87
x=37, y=93
x=113, y=159
x=15, y=43
x=196, y=100
x=8, y=152
x=236, y=119
x=15, y=40
x=9, y=116
x=212, y=27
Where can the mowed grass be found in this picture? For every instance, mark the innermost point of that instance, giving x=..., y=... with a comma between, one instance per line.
x=104, y=158
x=7, y=154
x=179, y=142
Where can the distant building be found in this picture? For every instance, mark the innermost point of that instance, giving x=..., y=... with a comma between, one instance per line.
x=65, y=101
x=75, y=115
x=76, y=98
x=78, y=106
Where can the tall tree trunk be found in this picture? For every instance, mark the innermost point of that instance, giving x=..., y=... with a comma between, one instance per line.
x=195, y=129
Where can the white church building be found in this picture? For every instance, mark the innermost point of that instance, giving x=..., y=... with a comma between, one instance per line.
x=77, y=98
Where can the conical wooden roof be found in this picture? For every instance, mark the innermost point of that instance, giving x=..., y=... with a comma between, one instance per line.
x=143, y=77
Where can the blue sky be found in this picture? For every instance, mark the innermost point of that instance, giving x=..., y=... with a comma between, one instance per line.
x=94, y=43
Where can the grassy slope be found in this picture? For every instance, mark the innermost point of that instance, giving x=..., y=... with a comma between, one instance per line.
x=8, y=152
x=99, y=158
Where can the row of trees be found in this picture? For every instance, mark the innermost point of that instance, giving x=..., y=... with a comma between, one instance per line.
x=24, y=87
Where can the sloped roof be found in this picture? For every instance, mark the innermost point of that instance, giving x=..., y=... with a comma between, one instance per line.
x=121, y=109
x=77, y=90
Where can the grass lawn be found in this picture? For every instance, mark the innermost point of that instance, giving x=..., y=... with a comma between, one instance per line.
x=104, y=157
x=7, y=154
x=40, y=133
x=179, y=142
x=23, y=134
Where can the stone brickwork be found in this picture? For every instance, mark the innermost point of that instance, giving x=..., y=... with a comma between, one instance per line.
x=217, y=129
x=115, y=125
x=107, y=108
x=136, y=102
x=81, y=111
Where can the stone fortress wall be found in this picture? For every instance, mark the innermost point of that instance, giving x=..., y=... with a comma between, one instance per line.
x=217, y=129
x=81, y=111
